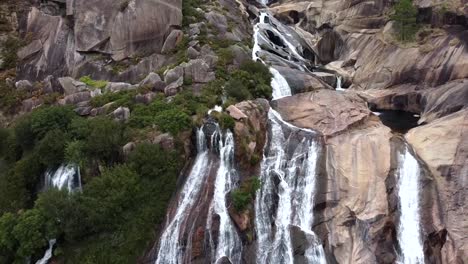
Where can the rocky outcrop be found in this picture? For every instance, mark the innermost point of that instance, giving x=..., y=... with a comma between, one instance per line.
x=60, y=44
x=355, y=200
x=312, y=110
x=443, y=146
x=250, y=125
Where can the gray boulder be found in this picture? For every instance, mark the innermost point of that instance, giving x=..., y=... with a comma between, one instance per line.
x=23, y=85
x=173, y=88
x=174, y=38
x=192, y=53
x=173, y=74
x=198, y=71
x=121, y=114
x=115, y=87
x=71, y=86
x=153, y=81
x=75, y=98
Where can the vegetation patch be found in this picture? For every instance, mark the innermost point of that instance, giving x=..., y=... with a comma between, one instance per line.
x=99, y=84
x=242, y=197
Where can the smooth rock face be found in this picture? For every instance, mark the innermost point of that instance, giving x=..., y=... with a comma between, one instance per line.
x=301, y=82
x=138, y=28
x=311, y=110
x=71, y=86
x=60, y=44
x=443, y=146
x=357, y=165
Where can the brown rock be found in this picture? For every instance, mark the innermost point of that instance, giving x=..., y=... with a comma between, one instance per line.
x=313, y=110
x=443, y=146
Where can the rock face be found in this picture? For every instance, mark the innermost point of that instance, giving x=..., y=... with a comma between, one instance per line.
x=443, y=146
x=60, y=44
x=311, y=110
x=355, y=200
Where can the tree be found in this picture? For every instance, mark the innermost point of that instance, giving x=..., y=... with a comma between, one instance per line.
x=152, y=162
x=29, y=232
x=405, y=17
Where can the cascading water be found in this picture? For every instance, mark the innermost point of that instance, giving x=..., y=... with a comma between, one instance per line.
x=66, y=176
x=339, y=80
x=170, y=248
x=229, y=243
x=48, y=253
x=296, y=175
x=409, y=228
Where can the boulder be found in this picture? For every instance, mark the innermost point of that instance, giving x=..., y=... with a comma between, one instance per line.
x=24, y=85
x=173, y=74
x=300, y=81
x=173, y=88
x=101, y=110
x=153, y=81
x=128, y=148
x=115, y=87
x=312, y=110
x=192, y=53
x=235, y=113
x=146, y=98
x=328, y=78
x=198, y=71
x=165, y=141
x=75, y=98
x=174, y=38
x=443, y=146
x=217, y=20
x=30, y=104
x=121, y=114
x=71, y=86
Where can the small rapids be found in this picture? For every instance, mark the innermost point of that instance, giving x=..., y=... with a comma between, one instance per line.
x=409, y=231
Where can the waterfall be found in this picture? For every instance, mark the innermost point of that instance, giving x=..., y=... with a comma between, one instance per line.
x=296, y=174
x=409, y=228
x=170, y=247
x=229, y=243
x=48, y=253
x=287, y=179
x=66, y=176
x=339, y=80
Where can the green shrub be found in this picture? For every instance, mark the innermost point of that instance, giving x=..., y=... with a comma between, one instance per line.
x=226, y=121
x=405, y=16
x=32, y=128
x=243, y=196
x=151, y=161
x=50, y=149
x=9, y=51
x=10, y=98
x=99, y=84
x=122, y=98
x=168, y=117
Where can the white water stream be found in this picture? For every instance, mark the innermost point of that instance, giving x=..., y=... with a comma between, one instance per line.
x=409, y=231
x=291, y=178
x=229, y=243
x=170, y=248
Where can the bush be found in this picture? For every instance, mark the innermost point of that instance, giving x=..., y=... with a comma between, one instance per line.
x=104, y=140
x=99, y=84
x=243, y=196
x=10, y=98
x=9, y=51
x=150, y=161
x=252, y=80
x=34, y=127
x=405, y=16
x=50, y=149
x=169, y=117
x=122, y=98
